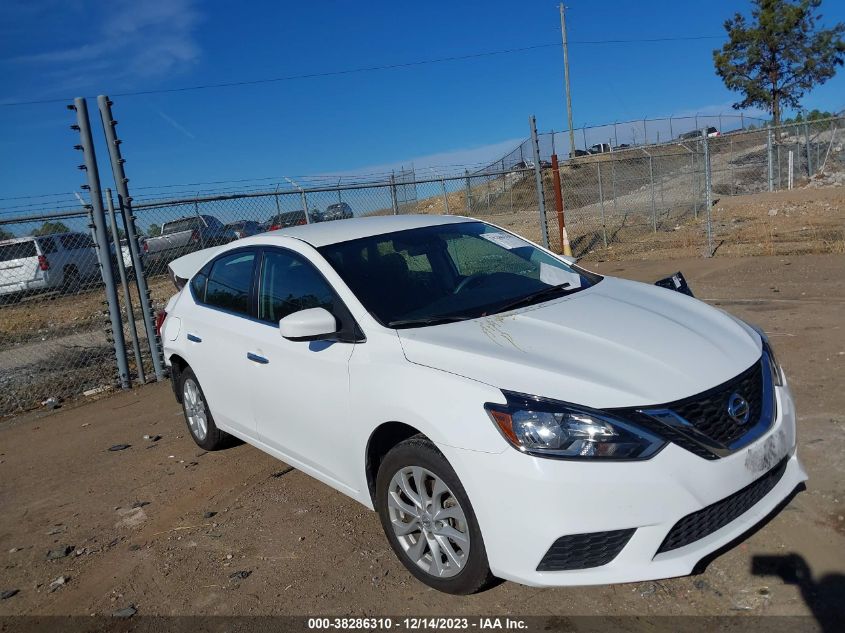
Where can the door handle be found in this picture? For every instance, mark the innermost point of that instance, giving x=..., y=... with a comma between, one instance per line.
x=256, y=358
x=194, y=338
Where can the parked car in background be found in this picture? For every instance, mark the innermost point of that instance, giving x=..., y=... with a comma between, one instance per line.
x=61, y=261
x=622, y=146
x=506, y=412
x=578, y=152
x=600, y=148
x=245, y=228
x=711, y=132
x=182, y=236
x=284, y=220
x=337, y=211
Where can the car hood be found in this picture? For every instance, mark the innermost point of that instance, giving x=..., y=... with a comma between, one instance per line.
x=617, y=344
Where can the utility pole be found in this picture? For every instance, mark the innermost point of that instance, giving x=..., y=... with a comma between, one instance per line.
x=566, y=80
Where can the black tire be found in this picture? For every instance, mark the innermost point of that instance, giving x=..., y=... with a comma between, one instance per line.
x=475, y=575
x=71, y=281
x=214, y=439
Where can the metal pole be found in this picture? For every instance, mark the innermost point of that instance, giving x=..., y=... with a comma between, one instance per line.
x=445, y=197
x=671, y=132
x=83, y=124
x=124, y=201
x=566, y=80
x=615, y=135
x=538, y=177
x=645, y=133
x=653, y=202
x=742, y=120
x=771, y=162
x=127, y=297
x=694, y=185
x=731, y=163
x=708, y=188
x=601, y=202
x=584, y=134
x=305, y=205
x=469, y=193
x=393, y=197
x=809, y=155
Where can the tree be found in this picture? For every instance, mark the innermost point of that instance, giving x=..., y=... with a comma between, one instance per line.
x=779, y=57
x=5, y=235
x=154, y=230
x=51, y=227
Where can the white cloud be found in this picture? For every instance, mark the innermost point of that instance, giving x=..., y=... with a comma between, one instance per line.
x=133, y=38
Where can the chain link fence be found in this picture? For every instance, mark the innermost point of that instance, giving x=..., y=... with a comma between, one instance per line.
x=669, y=199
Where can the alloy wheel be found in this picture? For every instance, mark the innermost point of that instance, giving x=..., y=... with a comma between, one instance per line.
x=428, y=521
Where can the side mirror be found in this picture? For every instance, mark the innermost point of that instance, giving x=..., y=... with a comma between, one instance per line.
x=569, y=259
x=313, y=324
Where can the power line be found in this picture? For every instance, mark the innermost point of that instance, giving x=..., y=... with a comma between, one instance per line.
x=365, y=69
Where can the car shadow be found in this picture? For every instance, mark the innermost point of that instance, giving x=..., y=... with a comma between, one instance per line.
x=824, y=597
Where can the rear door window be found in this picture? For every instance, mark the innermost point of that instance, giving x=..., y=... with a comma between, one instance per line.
x=230, y=282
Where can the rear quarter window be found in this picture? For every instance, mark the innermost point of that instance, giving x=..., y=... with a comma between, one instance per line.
x=17, y=250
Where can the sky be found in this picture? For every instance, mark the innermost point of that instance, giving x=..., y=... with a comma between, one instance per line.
x=452, y=113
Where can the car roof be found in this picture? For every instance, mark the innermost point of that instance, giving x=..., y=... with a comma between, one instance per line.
x=325, y=233
x=29, y=238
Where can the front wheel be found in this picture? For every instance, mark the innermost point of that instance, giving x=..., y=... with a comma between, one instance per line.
x=429, y=521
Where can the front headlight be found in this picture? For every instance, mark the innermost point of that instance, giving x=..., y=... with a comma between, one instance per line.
x=547, y=428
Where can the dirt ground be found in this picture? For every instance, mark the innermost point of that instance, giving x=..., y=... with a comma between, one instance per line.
x=166, y=527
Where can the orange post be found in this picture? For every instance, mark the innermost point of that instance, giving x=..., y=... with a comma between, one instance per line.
x=561, y=222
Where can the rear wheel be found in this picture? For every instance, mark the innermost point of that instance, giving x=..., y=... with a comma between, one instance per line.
x=71, y=281
x=429, y=521
x=197, y=415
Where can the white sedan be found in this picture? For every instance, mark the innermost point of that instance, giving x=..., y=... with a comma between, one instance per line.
x=508, y=413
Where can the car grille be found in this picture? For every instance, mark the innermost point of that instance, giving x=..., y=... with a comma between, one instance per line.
x=703, y=425
x=708, y=413
x=582, y=551
x=714, y=517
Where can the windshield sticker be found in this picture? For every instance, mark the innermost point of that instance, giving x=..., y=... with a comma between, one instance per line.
x=555, y=276
x=505, y=240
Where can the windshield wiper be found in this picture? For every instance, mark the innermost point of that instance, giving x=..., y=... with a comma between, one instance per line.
x=435, y=320
x=534, y=296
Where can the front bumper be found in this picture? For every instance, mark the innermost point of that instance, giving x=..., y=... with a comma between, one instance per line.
x=524, y=504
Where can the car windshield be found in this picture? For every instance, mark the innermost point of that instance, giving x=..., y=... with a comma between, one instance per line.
x=450, y=272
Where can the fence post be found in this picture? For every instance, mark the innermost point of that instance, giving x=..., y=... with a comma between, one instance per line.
x=124, y=201
x=653, y=202
x=770, y=158
x=809, y=155
x=127, y=297
x=469, y=193
x=731, y=163
x=538, y=177
x=83, y=124
x=708, y=191
x=694, y=184
x=445, y=197
x=601, y=202
x=393, y=198
x=671, y=132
